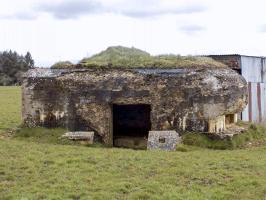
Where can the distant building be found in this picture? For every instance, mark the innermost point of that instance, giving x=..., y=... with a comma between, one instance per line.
x=253, y=69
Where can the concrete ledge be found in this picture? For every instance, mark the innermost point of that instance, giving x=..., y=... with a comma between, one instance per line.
x=80, y=135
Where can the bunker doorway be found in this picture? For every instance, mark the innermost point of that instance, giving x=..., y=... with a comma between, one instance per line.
x=131, y=125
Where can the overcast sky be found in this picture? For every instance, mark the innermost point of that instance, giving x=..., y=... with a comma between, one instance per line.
x=54, y=30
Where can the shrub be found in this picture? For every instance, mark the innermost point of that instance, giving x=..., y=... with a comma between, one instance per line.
x=255, y=133
x=62, y=65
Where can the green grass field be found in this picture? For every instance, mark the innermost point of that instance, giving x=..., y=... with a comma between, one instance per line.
x=10, y=107
x=34, y=165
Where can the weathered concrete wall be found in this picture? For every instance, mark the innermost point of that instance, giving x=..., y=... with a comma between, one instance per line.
x=180, y=99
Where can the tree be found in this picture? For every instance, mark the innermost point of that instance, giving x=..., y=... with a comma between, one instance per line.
x=28, y=60
x=12, y=66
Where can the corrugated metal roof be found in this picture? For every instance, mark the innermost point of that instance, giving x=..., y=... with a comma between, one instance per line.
x=221, y=55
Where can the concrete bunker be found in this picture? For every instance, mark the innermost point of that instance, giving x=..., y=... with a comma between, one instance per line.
x=117, y=103
x=131, y=122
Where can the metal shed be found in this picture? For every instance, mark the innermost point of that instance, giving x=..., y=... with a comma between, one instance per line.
x=253, y=69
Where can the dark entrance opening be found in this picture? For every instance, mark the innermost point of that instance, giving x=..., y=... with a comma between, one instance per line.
x=131, y=125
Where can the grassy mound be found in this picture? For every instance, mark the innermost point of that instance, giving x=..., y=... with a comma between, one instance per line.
x=123, y=57
x=62, y=65
x=255, y=135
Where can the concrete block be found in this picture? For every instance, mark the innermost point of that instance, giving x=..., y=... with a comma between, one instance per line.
x=163, y=140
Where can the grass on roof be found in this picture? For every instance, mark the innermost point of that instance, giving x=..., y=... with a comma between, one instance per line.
x=123, y=57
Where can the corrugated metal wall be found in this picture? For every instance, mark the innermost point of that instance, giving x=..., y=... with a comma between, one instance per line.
x=254, y=71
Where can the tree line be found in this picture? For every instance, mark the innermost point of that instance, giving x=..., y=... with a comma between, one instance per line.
x=12, y=66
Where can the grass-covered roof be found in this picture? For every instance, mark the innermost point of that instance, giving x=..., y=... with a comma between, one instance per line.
x=123, y=57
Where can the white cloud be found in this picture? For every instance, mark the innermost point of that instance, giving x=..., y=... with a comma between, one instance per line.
x=157, y=26
x=154, y=8
x=192, y=29
x=262, y=28
x=21, y=16
x=73, y=9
